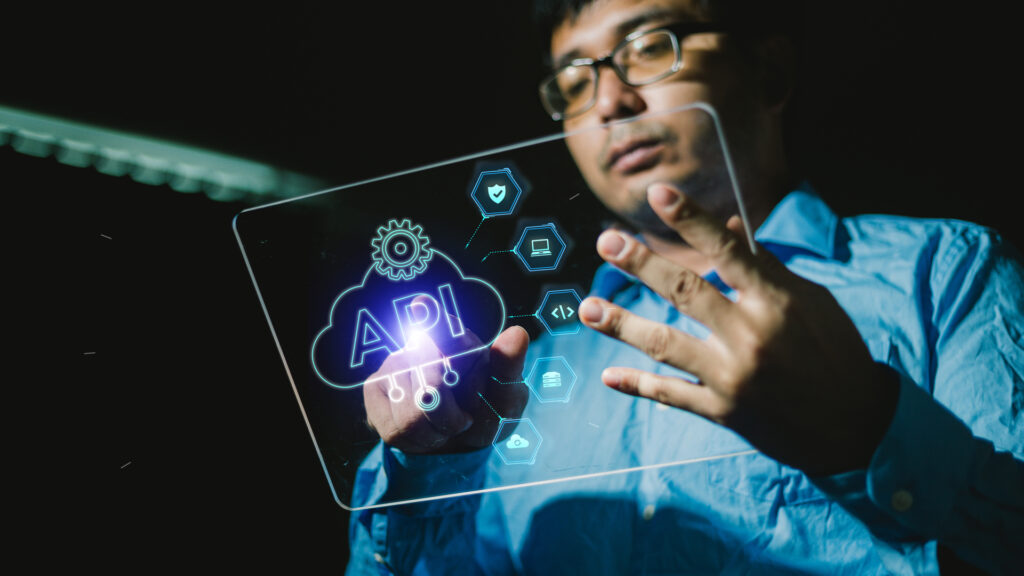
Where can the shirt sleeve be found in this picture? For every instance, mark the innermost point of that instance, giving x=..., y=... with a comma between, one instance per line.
x=438, y=536
x=950, y=467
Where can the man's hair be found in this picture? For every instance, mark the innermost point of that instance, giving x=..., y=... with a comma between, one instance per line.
x=757, y=18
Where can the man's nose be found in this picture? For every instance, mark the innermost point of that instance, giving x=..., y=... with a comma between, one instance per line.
x=616, y=99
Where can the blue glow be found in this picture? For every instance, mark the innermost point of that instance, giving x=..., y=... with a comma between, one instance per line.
x=392, y=389
x=400, y=250
x=410, y=324
x=451, y=377
x=372, y=338
x=413, y=324
x=544, y=247
x=451, y=309
x=433, y=398
x=551, y=379
x=499, y=194
x=562, y=310
x=387, y=311
x=521, y=446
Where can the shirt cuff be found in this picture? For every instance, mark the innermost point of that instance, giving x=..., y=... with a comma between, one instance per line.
x=911, y=483
x=922, y=462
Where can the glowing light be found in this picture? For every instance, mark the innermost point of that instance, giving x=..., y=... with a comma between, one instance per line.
x=417, y=315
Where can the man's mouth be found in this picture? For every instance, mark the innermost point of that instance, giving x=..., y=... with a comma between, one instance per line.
x=633, y=155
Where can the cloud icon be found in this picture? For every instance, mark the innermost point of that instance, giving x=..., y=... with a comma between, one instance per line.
x=387, y=311
x=517, y=441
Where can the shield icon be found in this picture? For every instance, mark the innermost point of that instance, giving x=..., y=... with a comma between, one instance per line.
x=496, y=192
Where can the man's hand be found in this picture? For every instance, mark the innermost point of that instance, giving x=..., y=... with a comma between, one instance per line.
x=461, y=421
x=784, y=365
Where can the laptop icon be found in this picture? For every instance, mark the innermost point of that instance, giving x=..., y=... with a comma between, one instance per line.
x=539, y=247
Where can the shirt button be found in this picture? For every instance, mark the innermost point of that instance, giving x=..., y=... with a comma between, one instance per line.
x=378, y=557
x=649, y=512
x=902, y=500
x=662, y=406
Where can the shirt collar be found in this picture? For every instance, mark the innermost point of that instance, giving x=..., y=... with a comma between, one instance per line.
x=800, y=220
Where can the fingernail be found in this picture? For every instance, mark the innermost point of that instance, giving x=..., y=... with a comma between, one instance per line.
x=611, y=377
x=591, y=311
x=612, y=244
x=662, y=195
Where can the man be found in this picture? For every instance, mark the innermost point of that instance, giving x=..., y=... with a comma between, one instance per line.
x=874, y=363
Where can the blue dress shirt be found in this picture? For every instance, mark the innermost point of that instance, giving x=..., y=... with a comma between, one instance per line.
x=939, y=301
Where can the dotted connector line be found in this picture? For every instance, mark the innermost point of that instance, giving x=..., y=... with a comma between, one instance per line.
x=489, y=406
x=509, y=382
x=477, y=229
x=494, y=252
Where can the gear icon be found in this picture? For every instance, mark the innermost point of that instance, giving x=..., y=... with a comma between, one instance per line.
x=400, y=250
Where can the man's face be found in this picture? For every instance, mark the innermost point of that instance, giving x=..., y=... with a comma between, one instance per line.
x=620, y=161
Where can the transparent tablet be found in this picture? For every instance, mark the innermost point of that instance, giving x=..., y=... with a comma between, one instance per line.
x=385, y=296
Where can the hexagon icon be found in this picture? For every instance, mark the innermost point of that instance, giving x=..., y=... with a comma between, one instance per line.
x=521, y=446
x=551, y=379
x=540, y=248
x=496, y=192
x=558, y=312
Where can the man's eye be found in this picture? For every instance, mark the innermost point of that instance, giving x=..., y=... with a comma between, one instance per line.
x=650, y=48
x=574, y=85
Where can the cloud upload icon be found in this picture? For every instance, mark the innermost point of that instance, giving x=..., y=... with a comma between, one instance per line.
x=410, y=291
x=517, y=441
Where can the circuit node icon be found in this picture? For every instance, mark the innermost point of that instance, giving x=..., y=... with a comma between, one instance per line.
x=551, y=379
x=540, y=248
x=558, y=312
x=400, y=250
x=496, y=192
x=519, y=447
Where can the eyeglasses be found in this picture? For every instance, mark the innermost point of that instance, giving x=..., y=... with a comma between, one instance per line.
x=642, y=58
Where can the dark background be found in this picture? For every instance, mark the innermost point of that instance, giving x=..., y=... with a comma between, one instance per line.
x=905, y=108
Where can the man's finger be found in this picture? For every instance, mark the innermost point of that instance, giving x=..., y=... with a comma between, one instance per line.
x=377, y=403
x=728, y=253
x=659, y=341
x=438, y=404
x=429, y=394
x=505, y=390
x=409, y=419
x=665, y=389
x=422, y=412
x=687, y=291
x=508, y=353
x=381, y=396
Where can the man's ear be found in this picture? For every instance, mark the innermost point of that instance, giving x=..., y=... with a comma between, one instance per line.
x=776, y=57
